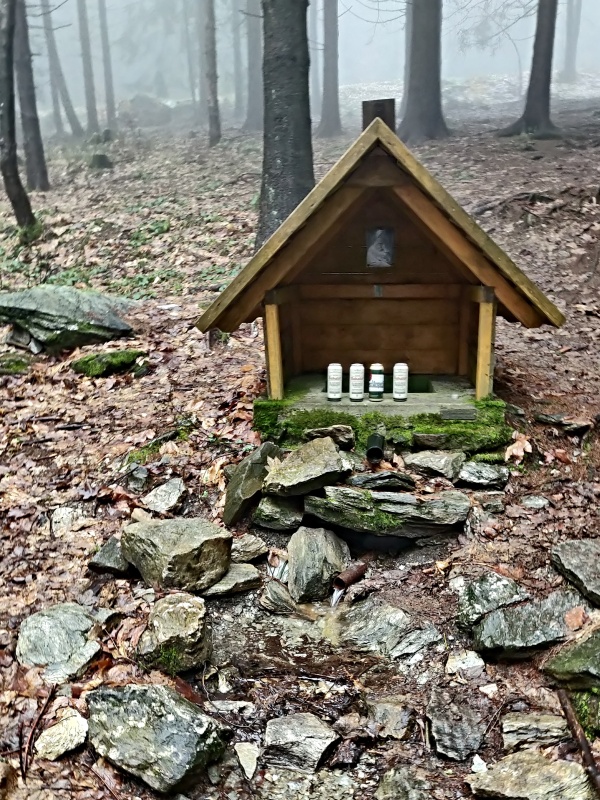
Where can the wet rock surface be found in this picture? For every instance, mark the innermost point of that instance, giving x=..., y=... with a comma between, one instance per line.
x=457, y=725
x=239, y=578
x=279, y=513
x=577, y=664
x=247, y=481
x=312, y=466
x=315, y=556
x=488, y=593
x=520, y=731
x=579, y=562
x=476, y=473
x=177, y=638
x=447, y=464
x=298, y=741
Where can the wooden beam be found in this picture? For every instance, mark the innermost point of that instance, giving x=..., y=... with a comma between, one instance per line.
x=281, y=295
x=406, y=291
x=484, y=381
x=482, y=294
x=273, y=352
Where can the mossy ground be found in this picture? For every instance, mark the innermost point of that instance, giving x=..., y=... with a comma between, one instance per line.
x=100, y=365
x=13, y=364
x=143, y=454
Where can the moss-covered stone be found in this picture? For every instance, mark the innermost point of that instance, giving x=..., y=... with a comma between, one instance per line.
x=587, y=708
x=13, y=364
x=100, y=365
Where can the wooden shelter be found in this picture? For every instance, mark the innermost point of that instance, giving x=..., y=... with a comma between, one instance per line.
x=379, y=263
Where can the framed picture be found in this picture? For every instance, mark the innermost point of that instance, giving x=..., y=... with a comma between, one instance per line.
x=380, y=247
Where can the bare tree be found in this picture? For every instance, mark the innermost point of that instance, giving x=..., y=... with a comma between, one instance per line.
x=254, y=38
x=8, y=143
x=407, y=49
x=569, y=71
x=313, y=49
x=331, y=123
x=236, y=41
x=109, y=85
x=209, y=47
x=288, y=174
x=202, y=69
x=88, y=69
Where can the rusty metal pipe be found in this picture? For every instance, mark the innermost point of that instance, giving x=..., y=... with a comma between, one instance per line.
x=349, y=576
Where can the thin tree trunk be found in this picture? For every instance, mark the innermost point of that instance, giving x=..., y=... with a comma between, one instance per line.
x=569, y=73
x=288, y=174
x=35, y=159
x=255, y=107
x=212, y=79
x=408, y=26
x=8, y=143
x=238, y=81
x=56, y=109
x=423, y=117
x=109, y=84
x=313, y=49
x=536, y=117
x=202, y=77
x=57, y=76
x=88, y=69
x=331, y=123
x=189, y=52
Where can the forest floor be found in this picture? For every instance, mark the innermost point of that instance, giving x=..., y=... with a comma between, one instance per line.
x=170, y=225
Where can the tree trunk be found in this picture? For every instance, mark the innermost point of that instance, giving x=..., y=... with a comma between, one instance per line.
x=536, y=117
x=189, y=53
x=331, y=123
x=202, y=77
x=569, y=73
x=8, y=143
x=287, y=175
x=236, y=42
x=313, y=49
x=56, y=109
x=255, y=107
x=57, y=76
x=88, y=69
x=109, y=85
x=35, y=159
x=408, y=26
x=423, y=117
x=212, y=80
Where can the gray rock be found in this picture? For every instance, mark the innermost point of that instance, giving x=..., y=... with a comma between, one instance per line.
x=579, y=562
x=446, y=464
x=62, y=317
x=529, y=775
x=389, y=513
x=477, y=473
x=393, y=718
x=492, y=502
x=67, y=734
x=110, y=559
x=516, y=632
x=429, y=441
x=298, y=741
x=277, y=599
x=137, y=479
x=315, y=556
x=279, y=513
x=177, y=638
x=153, y=733
x=239, y=578
x=488, y=593
x=404, y=783
x=535, y=502
x=165, y=497
x=465, y=663
x=457, y=727
x=342, y=435
x=416, y=640
x=577, y=664
x=247, y=548
x=61, y=639
x=248, y=754
x=190, y=554
x=386, y=480
x=247, y=481
x=311, y=466
x=520, y=731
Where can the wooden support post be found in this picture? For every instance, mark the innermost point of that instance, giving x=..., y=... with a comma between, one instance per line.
x=485, y=350
x=273, y=352
x=384, y=109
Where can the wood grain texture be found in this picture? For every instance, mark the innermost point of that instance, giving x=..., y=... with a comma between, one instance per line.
x=484, y=381
x=274, y=353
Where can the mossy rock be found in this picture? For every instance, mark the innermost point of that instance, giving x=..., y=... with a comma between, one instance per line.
x=100, y=365
x=14, y=364
x=587, y=708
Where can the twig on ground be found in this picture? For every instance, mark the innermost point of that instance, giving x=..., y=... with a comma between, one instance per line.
x=30, y=738
x=579, y=735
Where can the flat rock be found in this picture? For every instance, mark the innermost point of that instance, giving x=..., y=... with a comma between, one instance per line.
x=466, y=663
x=578, y=663
x=177, y=638
x=109, y=559
x=67, y=734
x=247, y=481
x=153, y=733
x=342, y=435
x=535, y=502
x=492, y=502
x=190, y=554
x=247, y=548
x=392, y=717
x=312, y=466
x=529, y=775
x=488, y=593
x=239, y=578
x=520, y=731
x=404, y=783
x=516, y=632
x=315, y=556
x=386, y=480
x=62, y=317
x=165, y=497
x=247, y=753
x=60, y=639
x=579, y=562
x=138, y=478
x=279, y=513
x=298, y=741
x=477, y=473
x=442, y=463
x=457, y=726
x=276, y=598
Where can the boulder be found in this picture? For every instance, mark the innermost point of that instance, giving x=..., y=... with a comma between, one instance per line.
x=442, y=463
x=517, y=632
x=247, y=548
x=67, y=734
x=109, y=559
x=190, y=554
x=315, y=556
x=521, y=731
x=579, y=562
x=61, y=639
x=153, y=733
x=279, y=513
x=404, y=783
x=101, y=365
x=62, y=317
x=342, y=435
x=479, y=474
x=488, y=593
x=532, y=776
x=177, y=638
x=165, y=497
x=312, y=466
x=247, y=481
x=239, y=578
x=457, y=726
x=298, y=741
x=393, y=718
x=389, y=513
x=386, y=480
x=578, y=663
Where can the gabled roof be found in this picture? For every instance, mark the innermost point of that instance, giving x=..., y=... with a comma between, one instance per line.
x=443, y=217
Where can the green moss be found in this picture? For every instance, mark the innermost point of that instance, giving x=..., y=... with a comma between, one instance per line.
x=11, y=364
x=99, y=365
x=587, y=708
x=495, y=457
x=143, y=454
x=168, y=660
